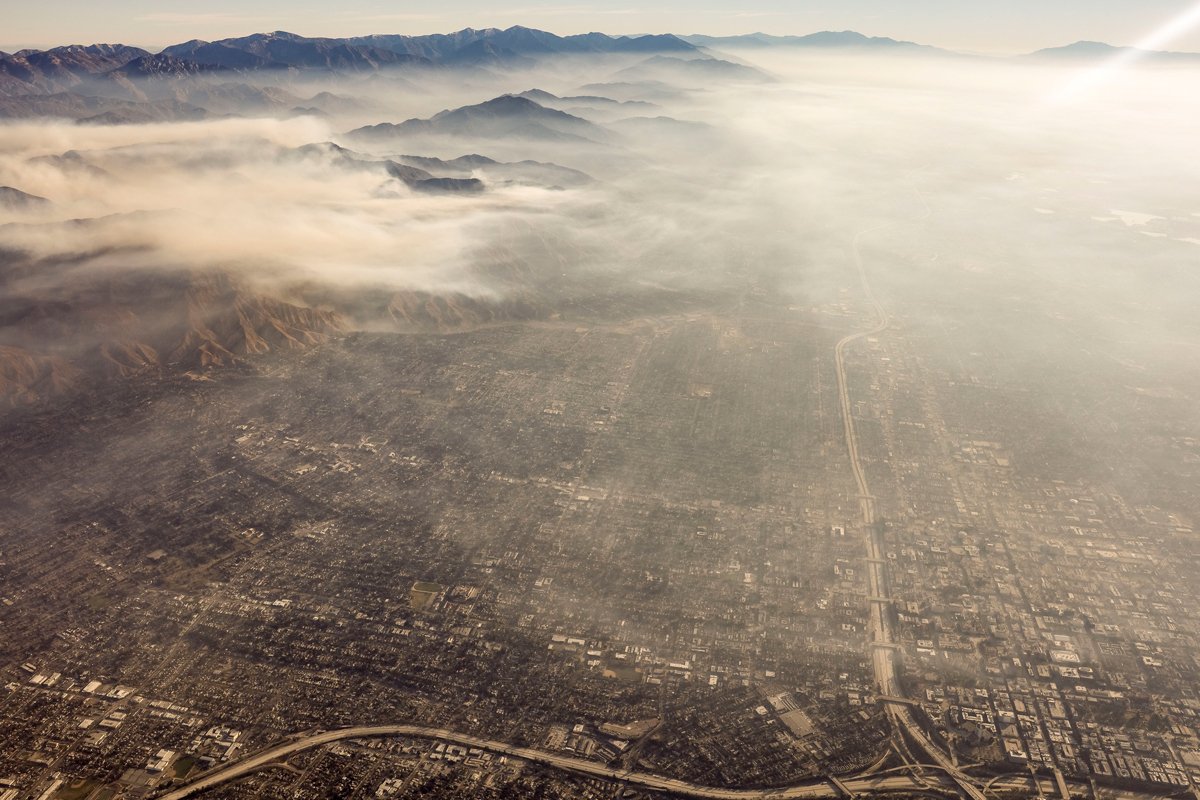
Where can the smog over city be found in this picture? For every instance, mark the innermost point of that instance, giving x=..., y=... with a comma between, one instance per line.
x=458, y=402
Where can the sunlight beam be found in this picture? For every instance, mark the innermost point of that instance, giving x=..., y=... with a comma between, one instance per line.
x=1091, y=78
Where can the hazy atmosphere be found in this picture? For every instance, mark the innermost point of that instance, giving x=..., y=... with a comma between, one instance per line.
x=417, y=403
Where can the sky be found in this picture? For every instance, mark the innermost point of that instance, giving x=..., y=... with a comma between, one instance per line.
x=986, y=26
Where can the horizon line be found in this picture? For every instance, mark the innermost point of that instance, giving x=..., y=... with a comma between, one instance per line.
x=12, y=48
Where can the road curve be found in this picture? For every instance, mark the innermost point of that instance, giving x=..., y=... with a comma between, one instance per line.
x=817, y=788
x=862, y=785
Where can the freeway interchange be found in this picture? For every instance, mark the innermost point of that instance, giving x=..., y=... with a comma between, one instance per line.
x=865, y=784
x=934, y=781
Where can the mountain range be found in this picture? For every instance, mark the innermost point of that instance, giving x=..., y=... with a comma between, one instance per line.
x=114, y=83
x=466, y=45
x=261, y=73
x=60, y=68
x=73, y=66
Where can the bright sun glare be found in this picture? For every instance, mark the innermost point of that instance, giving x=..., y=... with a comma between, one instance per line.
x=1088, y=80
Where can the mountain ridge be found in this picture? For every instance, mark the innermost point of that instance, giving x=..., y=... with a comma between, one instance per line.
x=117, y=69
x=506, y=115
x=819, y=39
x=275, y=48
x=144, y=323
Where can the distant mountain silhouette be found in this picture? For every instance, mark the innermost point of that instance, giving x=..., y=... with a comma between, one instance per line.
x=150, y=77
x=61, y=68
x=132, y=113
x=412, y=176
x=81, y=59
x=669, y=68
x=520, y=41
x=822, y=39
x=14, y=199
x=162, y=88
x=503, y=117
x=90, y=108
x=280, y=50
x=162, y=65
x=544, y=98
x=117, y=83
x=1099, y=50
x=632, y=90
x=128, y=73
x=71, y=163
x=485, y=52
x=536, y=173
x=516, y=46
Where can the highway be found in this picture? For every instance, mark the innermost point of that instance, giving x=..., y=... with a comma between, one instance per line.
x=863, y=785
x=883, y=659
x=818, y=788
